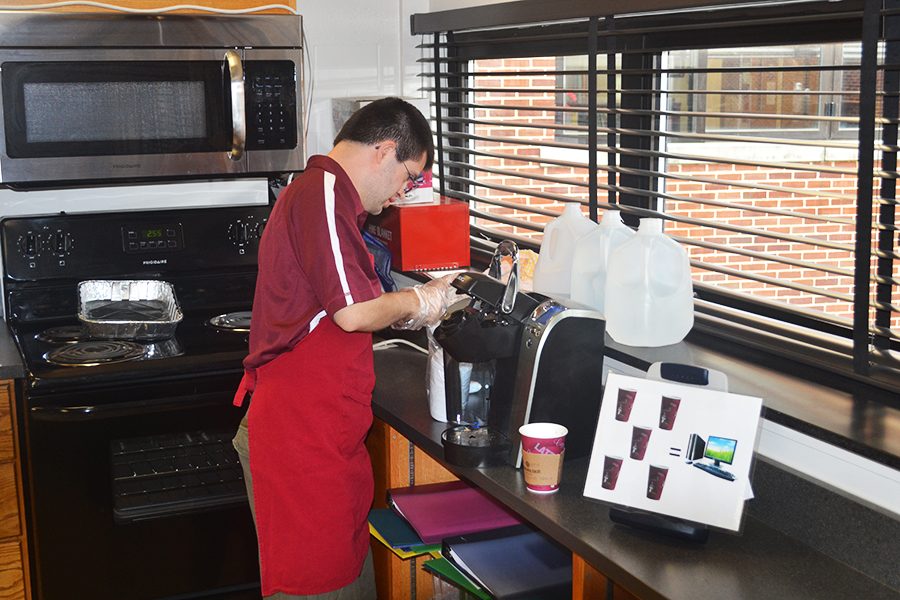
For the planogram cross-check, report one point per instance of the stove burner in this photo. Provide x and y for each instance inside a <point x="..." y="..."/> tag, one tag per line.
<point x="67" y="334"/>
<point x="89" y="354"/>
<point x="233" y="321"/>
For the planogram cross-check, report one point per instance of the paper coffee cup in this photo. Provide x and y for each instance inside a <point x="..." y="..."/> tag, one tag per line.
<point x="624" y="403"/>
<point x="640" y="439"/>
<point x="543" y="450"/>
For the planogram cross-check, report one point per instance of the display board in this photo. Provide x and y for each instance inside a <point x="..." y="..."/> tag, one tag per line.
<point x="673" y="449"/>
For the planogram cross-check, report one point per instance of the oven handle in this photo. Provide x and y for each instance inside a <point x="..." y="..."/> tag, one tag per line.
<point x="238" y="114"/>
<point x="120" y="409"/>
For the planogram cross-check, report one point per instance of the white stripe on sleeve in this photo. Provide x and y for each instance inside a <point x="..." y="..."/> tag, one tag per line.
<point x="332" y="234"/>
<point x="315" y="320"/>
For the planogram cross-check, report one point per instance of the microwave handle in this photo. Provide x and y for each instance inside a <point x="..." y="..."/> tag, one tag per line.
<point x="238" y="114"/>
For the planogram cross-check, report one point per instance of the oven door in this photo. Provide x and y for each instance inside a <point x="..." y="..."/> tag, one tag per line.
<point x="143" y="113"/>
<point x="112" y="517"/>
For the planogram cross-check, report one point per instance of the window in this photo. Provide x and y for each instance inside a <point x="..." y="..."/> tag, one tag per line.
<point x="764" y="135"/>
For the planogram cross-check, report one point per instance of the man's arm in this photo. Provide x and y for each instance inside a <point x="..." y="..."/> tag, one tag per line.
<point x="423" y="305"/>
<point x="378" y="313"/>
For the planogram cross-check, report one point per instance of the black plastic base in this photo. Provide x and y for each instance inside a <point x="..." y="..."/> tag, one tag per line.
<point x="661" y="524"/>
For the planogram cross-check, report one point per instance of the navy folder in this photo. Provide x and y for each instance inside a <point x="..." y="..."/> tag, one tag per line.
<point x="513" y="563"/>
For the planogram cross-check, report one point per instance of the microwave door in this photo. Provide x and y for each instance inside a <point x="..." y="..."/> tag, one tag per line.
<point x="112" y="114"/>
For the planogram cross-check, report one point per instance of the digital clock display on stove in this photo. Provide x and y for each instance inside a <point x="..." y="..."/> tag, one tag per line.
<point x="156" y="238"/>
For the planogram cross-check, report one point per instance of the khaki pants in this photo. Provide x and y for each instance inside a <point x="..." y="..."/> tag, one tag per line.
<point x="361" y="589"/>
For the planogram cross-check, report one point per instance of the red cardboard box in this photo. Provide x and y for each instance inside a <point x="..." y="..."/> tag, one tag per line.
<point x="424" y="237"/>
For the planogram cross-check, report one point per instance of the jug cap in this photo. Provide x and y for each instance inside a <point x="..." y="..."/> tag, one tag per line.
<point x="650" y="226"/>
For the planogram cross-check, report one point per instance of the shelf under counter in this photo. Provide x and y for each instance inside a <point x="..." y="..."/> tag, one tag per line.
<point x="760" y="562"/>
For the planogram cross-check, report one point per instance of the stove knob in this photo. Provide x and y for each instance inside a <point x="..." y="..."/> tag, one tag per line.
<point x="29" y="244"/>
<point x="62" y="242"/>
<point x="237" y="233"/>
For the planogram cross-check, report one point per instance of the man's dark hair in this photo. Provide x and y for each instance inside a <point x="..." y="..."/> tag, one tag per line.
<point x="391" y="119"/>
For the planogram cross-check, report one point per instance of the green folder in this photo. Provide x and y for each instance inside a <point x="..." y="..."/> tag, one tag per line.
<point x="445" y="569"/>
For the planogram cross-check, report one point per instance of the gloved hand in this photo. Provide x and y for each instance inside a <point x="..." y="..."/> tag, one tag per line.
<point x="434" y="298"/>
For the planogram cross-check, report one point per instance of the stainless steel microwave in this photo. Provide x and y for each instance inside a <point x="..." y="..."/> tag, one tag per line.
<point x="101" y="96"/>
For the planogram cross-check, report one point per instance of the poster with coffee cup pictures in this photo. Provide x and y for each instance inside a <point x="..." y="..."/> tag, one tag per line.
<point x="678" y="450"/>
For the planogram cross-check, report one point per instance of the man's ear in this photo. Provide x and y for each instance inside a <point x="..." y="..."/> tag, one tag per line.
<point x="385" y="149"/>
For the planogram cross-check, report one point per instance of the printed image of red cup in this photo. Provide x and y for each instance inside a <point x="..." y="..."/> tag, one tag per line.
<point x="668" y="409"/>
<point x="656" y="480"/>
<point x="543" y="449"/>
<point x="624" y="404"/>
<point x="640" y="438"/>
<point x="611" y="467"/>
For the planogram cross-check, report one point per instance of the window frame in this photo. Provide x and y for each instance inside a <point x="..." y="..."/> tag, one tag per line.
<point x="483" y="45"/>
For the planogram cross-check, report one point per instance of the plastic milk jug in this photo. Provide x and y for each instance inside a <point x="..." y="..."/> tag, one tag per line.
<point x="649" y="294"/>
<point x="553" y="272"/>
<point x="591" y="257"/>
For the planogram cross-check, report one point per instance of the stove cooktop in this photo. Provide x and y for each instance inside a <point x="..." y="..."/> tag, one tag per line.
<point x="59" y="354"/>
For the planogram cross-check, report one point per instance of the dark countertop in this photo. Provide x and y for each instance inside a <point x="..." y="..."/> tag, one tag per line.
<point x="11" y="366"/>
<point x="758" y="563"/>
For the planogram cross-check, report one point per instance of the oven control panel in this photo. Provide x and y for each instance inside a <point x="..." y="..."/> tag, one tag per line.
<point x="105" y="245"/>
<point x="152" y="237"/>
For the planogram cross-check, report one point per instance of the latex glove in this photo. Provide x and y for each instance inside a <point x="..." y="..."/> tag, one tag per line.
<point x="434" y="298"/>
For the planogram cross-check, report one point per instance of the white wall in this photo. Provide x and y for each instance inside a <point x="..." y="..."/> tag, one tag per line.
<point x="358" y="48"/>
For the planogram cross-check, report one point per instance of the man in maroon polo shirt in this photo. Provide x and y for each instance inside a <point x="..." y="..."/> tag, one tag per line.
<point x="310" y="367"/>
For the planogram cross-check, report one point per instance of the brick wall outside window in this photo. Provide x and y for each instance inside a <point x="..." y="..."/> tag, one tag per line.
<point x="814" y="204"/>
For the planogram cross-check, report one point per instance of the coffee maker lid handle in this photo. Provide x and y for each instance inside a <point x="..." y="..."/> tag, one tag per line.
<point x="506" y="248"/>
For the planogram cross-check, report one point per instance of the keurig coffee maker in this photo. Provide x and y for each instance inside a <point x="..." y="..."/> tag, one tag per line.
<point x="538" y="358"/>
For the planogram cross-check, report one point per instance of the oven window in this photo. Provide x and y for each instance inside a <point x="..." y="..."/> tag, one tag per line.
<point x="68" y="109"/>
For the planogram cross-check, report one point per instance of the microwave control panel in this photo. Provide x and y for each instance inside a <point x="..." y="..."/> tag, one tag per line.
<point x="271" y="104"/>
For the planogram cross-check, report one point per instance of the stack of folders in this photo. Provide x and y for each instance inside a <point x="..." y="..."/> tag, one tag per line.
<point x="391" y="530"/>
<point x="515" y="562"/>
<point x="484" y="549"/>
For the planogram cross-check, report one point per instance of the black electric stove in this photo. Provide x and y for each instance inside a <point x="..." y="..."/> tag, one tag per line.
<point x="208" y="254"/>
<point x="133" y="488"/>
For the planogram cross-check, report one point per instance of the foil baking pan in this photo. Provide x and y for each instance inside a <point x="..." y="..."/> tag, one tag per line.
<point x="128" y="309"/>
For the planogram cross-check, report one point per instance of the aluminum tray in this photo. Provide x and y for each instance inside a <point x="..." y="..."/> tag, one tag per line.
<point x="140" y="309"/>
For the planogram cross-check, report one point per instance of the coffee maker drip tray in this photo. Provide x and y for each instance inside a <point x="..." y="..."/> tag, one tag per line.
<point x="467" y="446"/>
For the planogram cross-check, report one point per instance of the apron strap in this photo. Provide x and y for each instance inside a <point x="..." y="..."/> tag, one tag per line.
<point x="247" y="385"/>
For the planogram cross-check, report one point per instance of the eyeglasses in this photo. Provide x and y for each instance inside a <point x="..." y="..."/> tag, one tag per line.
<point x="413" y="180"/>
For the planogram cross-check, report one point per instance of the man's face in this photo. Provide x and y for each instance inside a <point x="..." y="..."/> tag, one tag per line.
<point x="391" y="180"/>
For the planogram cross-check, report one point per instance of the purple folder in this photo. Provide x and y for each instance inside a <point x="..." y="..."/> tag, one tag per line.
<point x="439" y="510"/>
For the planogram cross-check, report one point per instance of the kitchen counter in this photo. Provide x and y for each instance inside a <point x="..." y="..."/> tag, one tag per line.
<point x="11" y="366"/>
<point x="760" y="562"/>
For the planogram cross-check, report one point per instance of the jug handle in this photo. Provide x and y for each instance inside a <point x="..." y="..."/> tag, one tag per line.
<point x="508" y="248"/>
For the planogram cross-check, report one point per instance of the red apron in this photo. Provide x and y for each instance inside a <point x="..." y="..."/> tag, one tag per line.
<point x="312" y="479"/>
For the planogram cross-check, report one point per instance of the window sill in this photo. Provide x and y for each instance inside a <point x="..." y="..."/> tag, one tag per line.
<point x="840" y="412"/>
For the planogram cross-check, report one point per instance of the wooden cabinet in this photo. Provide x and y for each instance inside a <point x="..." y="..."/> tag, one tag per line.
<point x="397" y="463"/>
<point x="14" y="581"/>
